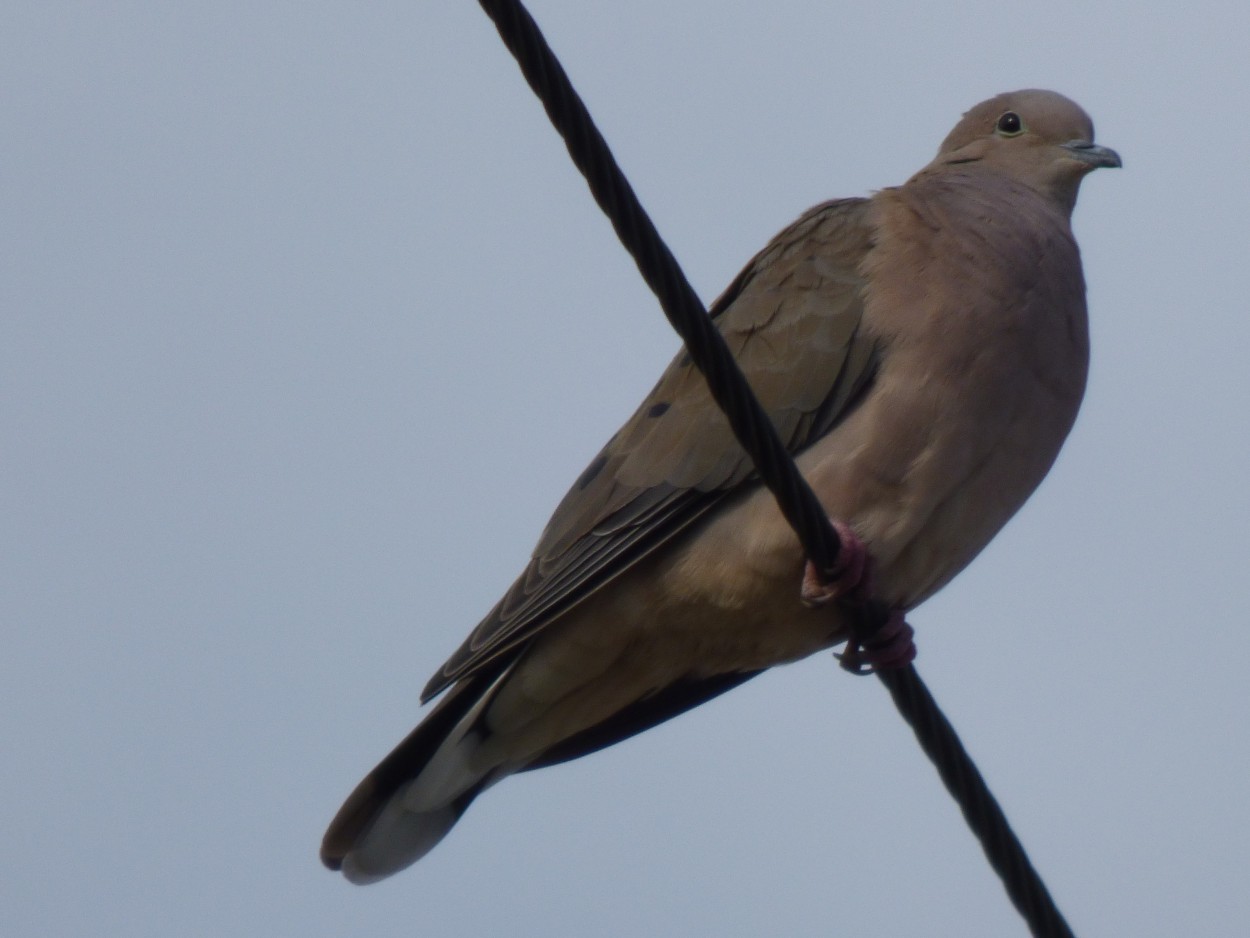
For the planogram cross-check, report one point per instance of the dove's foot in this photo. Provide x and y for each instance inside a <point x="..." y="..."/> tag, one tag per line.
<point x="892" y="647"/>
<point x="893" y="644"/>
<point x="851" y="579"/>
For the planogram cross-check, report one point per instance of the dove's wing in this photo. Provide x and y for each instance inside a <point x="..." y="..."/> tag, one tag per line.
<point x="792" y="319"/>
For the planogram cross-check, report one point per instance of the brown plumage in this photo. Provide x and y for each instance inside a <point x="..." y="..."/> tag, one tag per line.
<point x="922" y="352"/>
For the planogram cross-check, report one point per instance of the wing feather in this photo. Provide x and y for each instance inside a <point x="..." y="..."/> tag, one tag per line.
<point x="792" y="320"/>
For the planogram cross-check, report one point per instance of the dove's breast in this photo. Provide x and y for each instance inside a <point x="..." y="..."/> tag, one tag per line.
<point x="979" y="302"/>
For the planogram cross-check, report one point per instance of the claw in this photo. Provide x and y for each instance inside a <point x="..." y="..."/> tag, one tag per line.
<point x="849" y="580"/>
<point x="892" y="647"/>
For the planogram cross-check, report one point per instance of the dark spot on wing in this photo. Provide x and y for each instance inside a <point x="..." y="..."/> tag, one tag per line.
<point x="658" y="410"/>
<point x="592" y="470"/>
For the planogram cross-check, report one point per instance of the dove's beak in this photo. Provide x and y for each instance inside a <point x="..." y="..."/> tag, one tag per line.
<point x="1093" y="155"/>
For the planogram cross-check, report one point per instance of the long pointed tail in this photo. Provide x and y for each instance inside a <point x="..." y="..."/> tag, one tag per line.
<point x="414" y="796"/>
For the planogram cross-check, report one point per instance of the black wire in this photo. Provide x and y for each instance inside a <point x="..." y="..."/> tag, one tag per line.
<point x="755" y="432"/>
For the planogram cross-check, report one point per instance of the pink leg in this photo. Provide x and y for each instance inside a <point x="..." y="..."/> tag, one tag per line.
<point x="893" y="645"/>
<point x="851" y="579"/>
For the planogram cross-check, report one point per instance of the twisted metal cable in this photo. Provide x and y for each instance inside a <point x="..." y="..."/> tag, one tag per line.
<point x="753" y="429"/>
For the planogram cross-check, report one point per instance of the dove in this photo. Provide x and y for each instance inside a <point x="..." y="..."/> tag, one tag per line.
<point x="921" y="352"/>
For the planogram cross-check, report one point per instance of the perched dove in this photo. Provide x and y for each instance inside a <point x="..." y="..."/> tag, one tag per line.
<point x="922" y="351"/>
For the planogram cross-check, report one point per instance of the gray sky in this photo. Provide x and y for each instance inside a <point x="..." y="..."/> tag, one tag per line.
<point x="307" y="325"/>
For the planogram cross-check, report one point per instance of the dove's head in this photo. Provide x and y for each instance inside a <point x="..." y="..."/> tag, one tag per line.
<point x="1039" y="138"/>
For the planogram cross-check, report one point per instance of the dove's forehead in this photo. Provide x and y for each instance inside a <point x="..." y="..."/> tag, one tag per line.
<point x="1044" y="112"/>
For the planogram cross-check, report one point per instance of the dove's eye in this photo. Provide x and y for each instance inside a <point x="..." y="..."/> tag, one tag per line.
<point x="1009" y="124"/>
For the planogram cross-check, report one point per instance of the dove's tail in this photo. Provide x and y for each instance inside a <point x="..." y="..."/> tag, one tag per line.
<point x="414" y="796"/>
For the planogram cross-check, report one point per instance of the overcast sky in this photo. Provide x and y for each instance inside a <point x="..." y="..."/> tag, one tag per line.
<point x="306" y="324"/>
